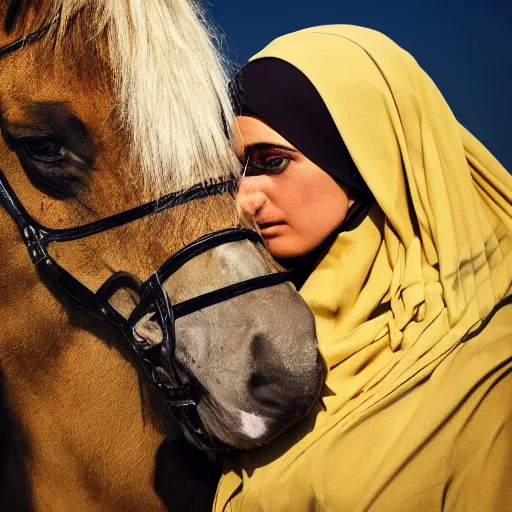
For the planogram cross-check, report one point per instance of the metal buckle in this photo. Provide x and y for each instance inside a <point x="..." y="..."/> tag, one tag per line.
<point x="34" y="239"/>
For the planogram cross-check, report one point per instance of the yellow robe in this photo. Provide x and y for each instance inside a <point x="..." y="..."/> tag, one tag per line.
<point x="413" y="308"/>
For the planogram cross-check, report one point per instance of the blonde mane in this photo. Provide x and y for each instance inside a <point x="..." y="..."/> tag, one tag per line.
<point x="171" y="86"/>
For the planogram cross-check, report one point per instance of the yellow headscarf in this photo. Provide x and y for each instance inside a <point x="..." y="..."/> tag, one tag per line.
<point x="441" y="257"/>
<point x="394" y="297"/>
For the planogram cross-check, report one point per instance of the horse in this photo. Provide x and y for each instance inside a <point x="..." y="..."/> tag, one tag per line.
<point x="116" y="182"/>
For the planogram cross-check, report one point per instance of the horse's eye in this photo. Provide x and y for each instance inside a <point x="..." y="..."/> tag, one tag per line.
<point x="44" y="150"/>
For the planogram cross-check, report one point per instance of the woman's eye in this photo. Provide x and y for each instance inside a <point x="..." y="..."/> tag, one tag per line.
<point x="275" y="165"/>
<point x="44" y="150"/>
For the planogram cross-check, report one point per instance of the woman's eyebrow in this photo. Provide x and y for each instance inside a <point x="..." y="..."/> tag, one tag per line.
<point x="262" y="146"/>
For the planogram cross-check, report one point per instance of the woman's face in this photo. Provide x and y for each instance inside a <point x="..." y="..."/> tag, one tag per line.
<point x="295" y="203"/>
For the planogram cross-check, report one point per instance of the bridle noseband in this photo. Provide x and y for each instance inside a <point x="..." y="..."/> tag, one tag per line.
<point x="179" y="388"/>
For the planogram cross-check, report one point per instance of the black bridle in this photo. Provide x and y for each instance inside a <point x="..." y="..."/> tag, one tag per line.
<point x="180" y="390"/>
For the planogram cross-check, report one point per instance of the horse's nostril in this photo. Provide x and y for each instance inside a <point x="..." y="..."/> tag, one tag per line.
<point x="257" y="381"/>
<point x="287" y="388"/>
<point x="265" y="391"/>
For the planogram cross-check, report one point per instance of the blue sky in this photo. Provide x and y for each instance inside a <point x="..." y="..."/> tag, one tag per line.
<point x="466" y="47"/>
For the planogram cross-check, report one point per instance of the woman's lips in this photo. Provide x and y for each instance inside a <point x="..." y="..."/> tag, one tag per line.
<point x="269" y="229"/>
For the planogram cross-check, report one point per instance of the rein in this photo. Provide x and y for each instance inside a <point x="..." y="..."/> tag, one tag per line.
<point x="178" y="386"/>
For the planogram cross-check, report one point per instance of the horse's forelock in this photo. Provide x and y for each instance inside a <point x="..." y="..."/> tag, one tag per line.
<point x="170" y="84"/>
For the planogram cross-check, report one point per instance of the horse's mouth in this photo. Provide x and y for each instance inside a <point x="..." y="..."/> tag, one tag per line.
<point x="244" y="430"/>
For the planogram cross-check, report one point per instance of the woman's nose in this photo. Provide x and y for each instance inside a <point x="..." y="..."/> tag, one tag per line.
<point x="250" y="198"/>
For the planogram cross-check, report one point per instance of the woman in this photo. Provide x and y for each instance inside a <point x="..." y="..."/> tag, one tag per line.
<point x="401" y="223"/>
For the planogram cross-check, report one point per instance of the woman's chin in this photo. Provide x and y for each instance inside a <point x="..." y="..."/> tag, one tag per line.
<point x="283" y="247"/>
<point x="278" y="246"/>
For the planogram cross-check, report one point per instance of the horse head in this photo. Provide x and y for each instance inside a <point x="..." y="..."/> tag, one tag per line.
<point x="104" y="107"/>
